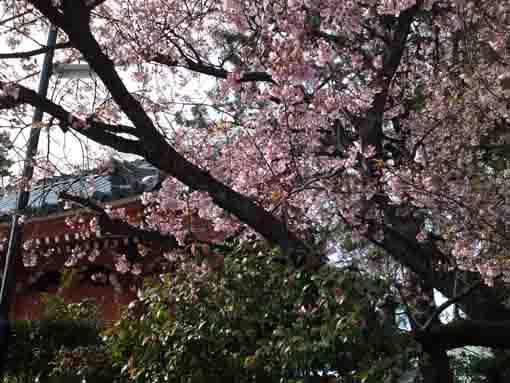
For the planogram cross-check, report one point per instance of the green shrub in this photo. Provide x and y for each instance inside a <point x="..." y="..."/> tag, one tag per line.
<point x="65" y="345"/>
<point x="252" y="320"/>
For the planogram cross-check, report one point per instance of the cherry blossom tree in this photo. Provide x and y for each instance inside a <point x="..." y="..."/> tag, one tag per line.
<point x="383" y="122"/>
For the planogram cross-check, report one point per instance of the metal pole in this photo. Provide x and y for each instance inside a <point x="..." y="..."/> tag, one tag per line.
<point x="16" y="230"/>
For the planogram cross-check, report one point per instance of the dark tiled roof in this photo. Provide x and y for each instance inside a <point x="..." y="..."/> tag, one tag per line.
<point x="126" y="179"/>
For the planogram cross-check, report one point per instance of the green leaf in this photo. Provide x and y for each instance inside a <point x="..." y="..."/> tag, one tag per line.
<point x="315" y="21"/>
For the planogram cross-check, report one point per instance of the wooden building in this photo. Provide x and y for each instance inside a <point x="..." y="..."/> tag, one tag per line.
<point x="63" y="253"/>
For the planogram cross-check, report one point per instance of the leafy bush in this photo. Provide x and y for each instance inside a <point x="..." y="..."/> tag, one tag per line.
<point x="65" y="345"/>
<point x="56" y="308"/>
<point x="252" y="320"/>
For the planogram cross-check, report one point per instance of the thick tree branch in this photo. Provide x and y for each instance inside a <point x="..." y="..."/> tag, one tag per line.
<point x="448" y="303"/>
<point x="463" y="333"/>
<point x="118" y="128"/>
<point x="102" y="136"/>
<point x="370" y="128"/>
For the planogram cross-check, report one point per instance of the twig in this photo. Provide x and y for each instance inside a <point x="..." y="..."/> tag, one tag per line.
<point x="35" y="52"/>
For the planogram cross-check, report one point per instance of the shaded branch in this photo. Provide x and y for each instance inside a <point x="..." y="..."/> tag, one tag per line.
<point x="118" y="128"/>
<point x="370" y="127"/>
<point x="463" y="333"/>
<point x="120" y="227"/>
<point x="97" y="133"/>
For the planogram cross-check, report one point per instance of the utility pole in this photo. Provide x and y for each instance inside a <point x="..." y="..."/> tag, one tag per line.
<point x="16" y="229"/>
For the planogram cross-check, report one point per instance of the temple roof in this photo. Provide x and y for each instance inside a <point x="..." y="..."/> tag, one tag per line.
<point x="123" y="179"/>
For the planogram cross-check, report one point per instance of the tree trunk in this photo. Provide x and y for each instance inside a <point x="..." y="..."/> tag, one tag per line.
<point x="435" y="367"/>
<point x="434" y="362"/>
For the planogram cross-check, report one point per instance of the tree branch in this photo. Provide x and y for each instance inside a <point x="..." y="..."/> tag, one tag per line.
<point x="209" y="69"/>
<point x="98" y="131"/>
<point x="448" y="303"/>
<point x="370" y="129"/>
<point x="483" y="303"/>
<point x="118" y="128"/>
<point x="119" y="227"/>
<point x="463" y="333"/>
<point x="34" y="52"/>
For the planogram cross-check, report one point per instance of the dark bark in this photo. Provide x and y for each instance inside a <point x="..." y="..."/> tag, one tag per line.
<point x="434" y="362"/>
<point x="460" y="333"/>
<point x="370" y="127"/>
<point x="435" y="367"/>
<point x="210" y="70"/>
